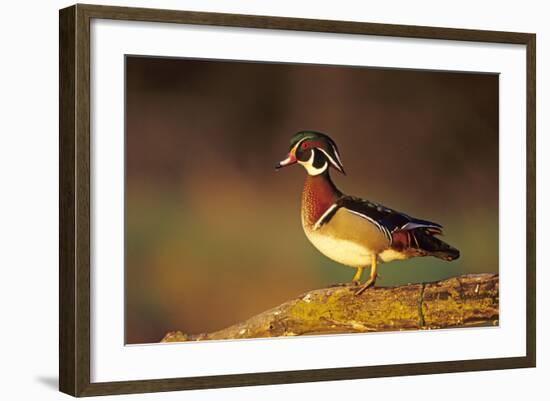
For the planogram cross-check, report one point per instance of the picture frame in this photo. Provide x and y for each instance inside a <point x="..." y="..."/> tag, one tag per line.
<point x="76" y="209"/>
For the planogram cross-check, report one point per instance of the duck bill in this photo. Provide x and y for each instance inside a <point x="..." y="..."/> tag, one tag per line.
<point x="290" y="160"/>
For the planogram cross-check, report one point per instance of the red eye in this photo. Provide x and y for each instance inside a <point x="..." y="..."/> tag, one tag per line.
<point x="305" y="145"/>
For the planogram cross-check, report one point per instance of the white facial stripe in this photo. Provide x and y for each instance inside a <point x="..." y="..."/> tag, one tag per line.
<point x="336" y="153"/>
<point x="296" y="146"/>
<point x="336" y="165"/>
<point x="311" y="170"/>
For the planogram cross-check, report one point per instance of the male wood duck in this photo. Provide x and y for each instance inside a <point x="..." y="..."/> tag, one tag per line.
<point x="353" y="231"/>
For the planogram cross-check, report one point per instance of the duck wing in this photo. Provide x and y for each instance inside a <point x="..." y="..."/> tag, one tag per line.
<point x="409" y="236"/>
<point x="386" y="219"/>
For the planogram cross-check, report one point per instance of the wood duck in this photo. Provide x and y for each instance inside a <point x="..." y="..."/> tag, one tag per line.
<point x="353" y="231"/>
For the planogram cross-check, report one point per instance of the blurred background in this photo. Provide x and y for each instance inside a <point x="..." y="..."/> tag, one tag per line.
<point x="213" y="233"/>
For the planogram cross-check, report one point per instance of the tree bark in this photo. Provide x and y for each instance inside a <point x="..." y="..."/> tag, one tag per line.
<point x="470" y="300"/>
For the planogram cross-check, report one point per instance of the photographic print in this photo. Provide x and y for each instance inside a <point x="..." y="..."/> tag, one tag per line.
<point x="275" y="193"/>
<point x="276" y="199"/>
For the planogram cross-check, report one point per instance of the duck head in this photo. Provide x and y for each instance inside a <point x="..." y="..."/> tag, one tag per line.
<point x="315" y="151"/>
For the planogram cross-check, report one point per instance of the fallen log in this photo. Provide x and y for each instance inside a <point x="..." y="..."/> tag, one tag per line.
<point x="469" y="300"/>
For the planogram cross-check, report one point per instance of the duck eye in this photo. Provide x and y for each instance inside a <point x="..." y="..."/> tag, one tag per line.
<point x="305" y="145"/>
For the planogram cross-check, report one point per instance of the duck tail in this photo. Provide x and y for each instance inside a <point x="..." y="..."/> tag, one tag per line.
<point x="426" y="242"/>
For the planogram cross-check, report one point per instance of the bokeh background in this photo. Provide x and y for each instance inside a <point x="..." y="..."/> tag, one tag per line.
<point x="213" y="233"/>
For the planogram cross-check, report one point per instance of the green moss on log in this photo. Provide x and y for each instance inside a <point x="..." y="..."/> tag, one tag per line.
<point x="470" y="300"/>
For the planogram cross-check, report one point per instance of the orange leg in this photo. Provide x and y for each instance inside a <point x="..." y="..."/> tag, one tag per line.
<point x="357" y="278"/>
<point x="372" y="279"/>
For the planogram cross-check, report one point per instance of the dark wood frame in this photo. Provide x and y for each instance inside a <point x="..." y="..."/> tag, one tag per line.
<point x="74" y="199"/>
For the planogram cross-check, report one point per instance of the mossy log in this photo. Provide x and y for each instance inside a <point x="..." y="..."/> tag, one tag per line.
<point x="470" y="300"/>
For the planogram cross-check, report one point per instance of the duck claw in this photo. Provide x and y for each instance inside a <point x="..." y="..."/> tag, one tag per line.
<point x="367" y="285"/>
